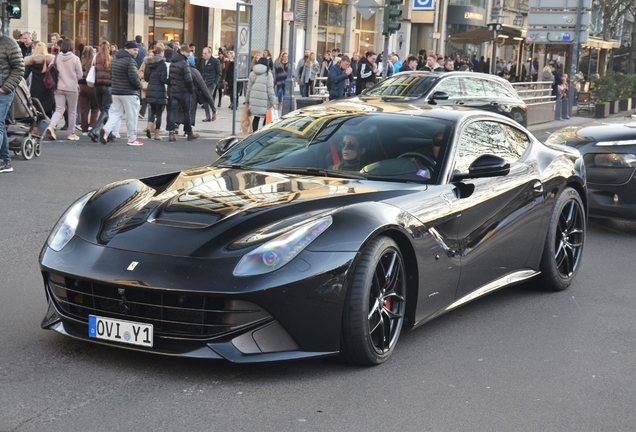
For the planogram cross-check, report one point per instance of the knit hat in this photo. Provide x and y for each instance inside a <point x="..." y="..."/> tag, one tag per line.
<point x="131" y="44"/>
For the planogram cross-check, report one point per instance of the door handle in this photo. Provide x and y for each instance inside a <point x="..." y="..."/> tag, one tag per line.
<point x="460" y="102"/>
<point x="493" y="103"/>
<point x="538" y="187"/>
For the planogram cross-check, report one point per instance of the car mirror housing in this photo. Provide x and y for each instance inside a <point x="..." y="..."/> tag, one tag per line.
<point x="438" y="95"/>
<point x="225" y="144"/>
<point x="485" y="166"/>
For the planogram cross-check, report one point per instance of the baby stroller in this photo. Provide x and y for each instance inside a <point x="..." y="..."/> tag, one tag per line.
<point x="31" y="120"/>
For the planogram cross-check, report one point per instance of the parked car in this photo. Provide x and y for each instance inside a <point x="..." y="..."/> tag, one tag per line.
<point x="468" y="89"/>
<point x="326" y="232"/>
<point x="609" y="153"/>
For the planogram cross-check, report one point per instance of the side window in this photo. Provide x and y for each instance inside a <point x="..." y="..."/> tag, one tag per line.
<point x="517" y="139"/>
<point x="502" y="90"/>
<point x="451" y="86"/>
<point x="474" y="87"/>
<point x="488" y="137"/>
<point x="491" y="89"/>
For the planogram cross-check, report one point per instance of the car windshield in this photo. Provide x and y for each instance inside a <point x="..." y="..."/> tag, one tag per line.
<point x="374" y="146"/>
<point x="403" y="85"/>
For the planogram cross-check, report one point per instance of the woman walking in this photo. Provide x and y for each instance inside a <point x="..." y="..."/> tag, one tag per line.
<point x="260" y="92"/>
<point x="69" y="71"/>
<point x="219" y="88"/>
<point x="102" y="88"/>
<point x="229" y="77"/>
<point x="280" y="79"/>
<point x="156" y="75"/>
<point x="87" y="98"/>
<point x="310" y="72"/>
<point x="35" y="67"/>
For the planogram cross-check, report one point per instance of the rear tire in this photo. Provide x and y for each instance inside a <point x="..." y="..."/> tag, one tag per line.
<point x="28" y="148"/>
<point x="564" y="242"/>
<point x="375" y="304"/>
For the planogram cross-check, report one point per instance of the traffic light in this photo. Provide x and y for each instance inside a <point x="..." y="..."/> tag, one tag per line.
<point x="391" y="14"/>
<point x="14" y="9"/>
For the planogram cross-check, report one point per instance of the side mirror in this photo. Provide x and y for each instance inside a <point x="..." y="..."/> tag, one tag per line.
<point x="485" y="166"/>
<point x="438" y="95"/>
<point x="223" y="145"/>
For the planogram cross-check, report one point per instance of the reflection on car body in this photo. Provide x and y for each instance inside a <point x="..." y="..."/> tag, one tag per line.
<point x="270" y="254"/>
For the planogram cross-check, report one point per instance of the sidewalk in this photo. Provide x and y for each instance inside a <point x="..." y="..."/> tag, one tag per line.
<point x="222" y="127"/>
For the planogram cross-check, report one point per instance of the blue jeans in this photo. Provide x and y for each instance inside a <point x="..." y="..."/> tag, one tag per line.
<point x="303" y="90"/>
<point x="281" y="93"/>
<point x="5" y="104"/>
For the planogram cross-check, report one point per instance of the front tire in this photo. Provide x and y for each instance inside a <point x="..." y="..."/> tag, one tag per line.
<point x="375" y="304"/>
<point x="564" y="242"/>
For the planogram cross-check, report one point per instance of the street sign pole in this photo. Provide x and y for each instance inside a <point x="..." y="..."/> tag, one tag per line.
<point x="575" y="57"/>
<point x="385" y="59"/>
<point x="288" y="99"/>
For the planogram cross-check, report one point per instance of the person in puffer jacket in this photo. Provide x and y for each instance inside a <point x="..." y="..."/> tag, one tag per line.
<point x="11" y="72"/>
<point x="125" y="92"/>
<point x="180" y="91"/>
<point x="156" y="75"/>
<point x="260" y="92"/>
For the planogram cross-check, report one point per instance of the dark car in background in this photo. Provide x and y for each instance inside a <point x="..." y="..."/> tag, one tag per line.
<point x="326" y="232"/>
<point x="467" y="89"/>
<point x="609" y="154"/>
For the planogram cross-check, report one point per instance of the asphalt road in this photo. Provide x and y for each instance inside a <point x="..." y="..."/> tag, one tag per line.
<point x="517" y="360"/>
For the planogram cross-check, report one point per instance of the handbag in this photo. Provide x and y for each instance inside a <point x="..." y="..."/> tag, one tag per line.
<point x="50" y="77"/>
<point x="271" y="116"/>
<point x="90" y="76"/>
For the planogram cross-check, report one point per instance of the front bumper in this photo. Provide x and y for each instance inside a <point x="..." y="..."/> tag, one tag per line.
<point x="197" y="308"/>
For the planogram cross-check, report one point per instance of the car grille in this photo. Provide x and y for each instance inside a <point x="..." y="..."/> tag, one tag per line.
<point x="172" y="313"/>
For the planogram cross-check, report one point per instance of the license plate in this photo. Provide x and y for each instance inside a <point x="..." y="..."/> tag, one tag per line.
<point x="120" y="331"/>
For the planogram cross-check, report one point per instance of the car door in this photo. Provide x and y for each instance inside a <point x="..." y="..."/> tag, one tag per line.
<point x="477" y="95"/>
<point x="498" y="225"/>
<point x="452" y="87"/>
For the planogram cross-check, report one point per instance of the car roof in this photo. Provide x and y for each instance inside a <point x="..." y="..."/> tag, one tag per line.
<point x="454" y="73"/>
<point x="356" y="106"/>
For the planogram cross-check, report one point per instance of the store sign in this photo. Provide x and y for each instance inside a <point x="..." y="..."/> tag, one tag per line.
<point x="466" y="15"/>
<point x="423" y="5"/>
<point x="217" y="4"/>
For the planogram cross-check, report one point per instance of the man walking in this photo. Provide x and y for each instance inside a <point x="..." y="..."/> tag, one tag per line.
<point x="11" y="72"/>
<point x="210" y="69"/>
<point x="180" y="92"/>
<point x="125" y="92"/>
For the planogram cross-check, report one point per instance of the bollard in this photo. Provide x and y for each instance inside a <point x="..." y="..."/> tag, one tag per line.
<point x="566" y="109"/>
<point x="558" y="108"/>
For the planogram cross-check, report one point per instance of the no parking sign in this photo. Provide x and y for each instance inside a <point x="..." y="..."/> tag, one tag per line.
<point x="423" y="4"/>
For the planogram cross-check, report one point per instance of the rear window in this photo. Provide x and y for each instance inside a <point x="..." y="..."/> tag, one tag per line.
<point x="404" y="85"/>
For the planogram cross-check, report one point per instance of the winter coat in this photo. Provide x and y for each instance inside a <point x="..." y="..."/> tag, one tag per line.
<point x="201" y="95"/>
<point x="33" y="67"/>
<point x="337" y="77"/>
<point x="309" y="73"/>
<point x="558" y="80"/>
<point x="365" y="76"/>
<point x="211" y="71"/>
<point x="326" y="65"/>
<point x="156" y="75"/>
<point x="11" y="64"/>
<point x="123" y="73"/>
<point x="547" y="76"/>
<point x="180" y="76"/>
<point x="281" y="74"/>
<point x="69" y="71"/>
<point x="102" y="76"/>
<point x="260" y="93"/>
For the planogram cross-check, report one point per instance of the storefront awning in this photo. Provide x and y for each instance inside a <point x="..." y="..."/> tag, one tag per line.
<point x="597" y="43"/>
<point x="507" y="36"/>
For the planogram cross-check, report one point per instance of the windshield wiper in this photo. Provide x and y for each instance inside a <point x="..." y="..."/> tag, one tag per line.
<point x="318" y="172"/>
<point x="235" y="166"/>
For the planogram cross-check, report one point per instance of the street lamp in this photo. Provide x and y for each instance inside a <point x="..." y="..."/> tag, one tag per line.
<point x="518" y="21"/>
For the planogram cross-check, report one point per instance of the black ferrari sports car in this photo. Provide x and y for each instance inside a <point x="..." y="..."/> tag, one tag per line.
<point x="324" y="233"/>
<point x="609" y="153"/>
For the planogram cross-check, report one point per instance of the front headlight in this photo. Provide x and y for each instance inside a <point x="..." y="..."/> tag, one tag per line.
<point x="64" y="229"/>
<point x="276" y="253"/>
<point x="614" y="160"/>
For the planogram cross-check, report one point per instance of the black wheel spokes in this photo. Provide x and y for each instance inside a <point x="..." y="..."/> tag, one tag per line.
<point x="386" y="302"/>
<point x="569" y="239"/>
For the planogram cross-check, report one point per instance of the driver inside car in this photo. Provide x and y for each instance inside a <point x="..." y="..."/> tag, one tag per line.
<point x="352" y="154"/>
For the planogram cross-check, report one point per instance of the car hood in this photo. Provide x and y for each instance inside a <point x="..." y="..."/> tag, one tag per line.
<point x="578" y="136"/>
<point x="194" y="212"/>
